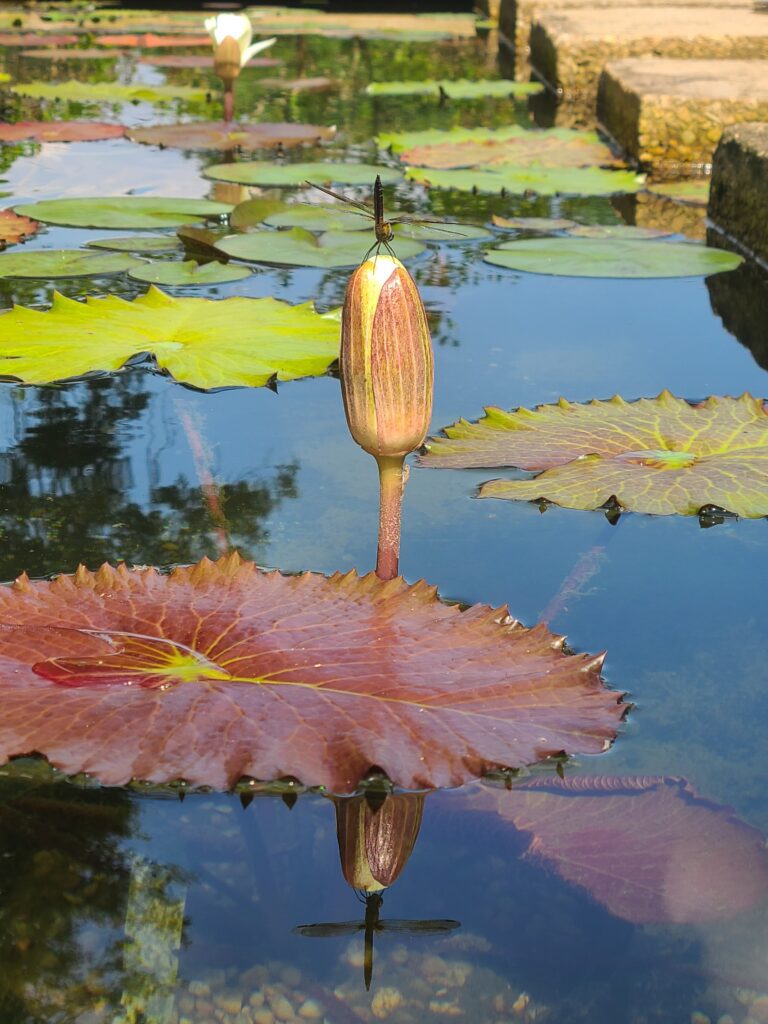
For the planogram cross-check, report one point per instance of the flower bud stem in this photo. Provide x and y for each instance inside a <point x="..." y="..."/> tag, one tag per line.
<point x="229" y="101"/>
<point x="391" y="485"/>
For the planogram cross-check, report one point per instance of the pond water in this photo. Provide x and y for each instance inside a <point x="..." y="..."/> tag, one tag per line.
<point x="187" y="911"/>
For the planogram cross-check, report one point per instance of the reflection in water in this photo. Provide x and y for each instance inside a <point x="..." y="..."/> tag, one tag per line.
<point x="740" y="299"/>
<point x="64" y="489"/>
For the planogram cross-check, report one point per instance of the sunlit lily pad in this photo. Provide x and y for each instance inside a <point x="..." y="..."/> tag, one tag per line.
<point x="545" y="181"/>
<point x="611" y="257"/>
<point x="207" y="343"/>
<point x="131" y="674"/>
<point x="137" y="243"/>
<point x="648" y="848"/>
<point x="694" y="191"/>
<point x="188" y="273"/>
<point x="262" y="172"/>
<point x="521" y="147"/>
<point x="220" y="135"/>
<point x="661" y="456"/>
<point x="60" y="131"/>
<point x="459" y="89"/>
<point x="123" y="212"/>
<point x="540" y="225"/>
<point x="108" y="92"/>
<point x="52" y="263"/>
<point x="624" y="231"/>
<point x="298" y="247"/>
<point x="14" y="229"/>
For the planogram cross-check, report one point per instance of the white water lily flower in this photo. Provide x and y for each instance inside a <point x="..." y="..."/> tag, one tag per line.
<point x="237" y="27"/>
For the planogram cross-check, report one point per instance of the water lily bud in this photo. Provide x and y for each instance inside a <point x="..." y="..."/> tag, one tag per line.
<point x="226" y="59"/>
<point x="376" y="839"/>
<point x="386" y="359"/>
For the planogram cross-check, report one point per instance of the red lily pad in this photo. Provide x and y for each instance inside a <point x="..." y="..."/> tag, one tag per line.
<point x="657" y="455"/>
<point x="221" y="671"/>
<point x="60" y="131"/>
<point x="149" y="40"/>
<point x="58" y="54"/>
<point x="14" y="229"/>
<point x="223" y="135"/>
<point x="648" y="848"/>
<point x="32" y="39"/>
<point x="193" y="60"/>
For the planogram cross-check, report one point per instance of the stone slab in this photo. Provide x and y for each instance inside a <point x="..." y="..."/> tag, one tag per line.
<point x="570" y="48"/>
<point x="669" y="114"/>
<point x="738" y="197"/>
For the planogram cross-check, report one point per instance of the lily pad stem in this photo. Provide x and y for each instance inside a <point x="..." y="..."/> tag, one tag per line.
<point x="391" y="486"/>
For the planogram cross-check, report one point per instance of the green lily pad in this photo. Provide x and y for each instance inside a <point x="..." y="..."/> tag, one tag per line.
<point x="108" y="92"/>
<point x="695" y="191"/>
<point x="51" y="263"/>
<point x="188" y="273"/>
<point x="624" y="231"/>
<point x="255" y="211"/>
<point x="262" y="172"/>
<point x="122" y="211"/>
<point x="588" y="257"/>
<point x="658" y="455"/>
<point x="460" y="89"/>
<point x="544" y="181"/>
<point x="399" y="141"/>
<point x="319" y="218"/>
<point x="207" y="343"/>
<point x="541" y="225"/>
<point x="300" y="248"/>
<point x="136" y="243"/>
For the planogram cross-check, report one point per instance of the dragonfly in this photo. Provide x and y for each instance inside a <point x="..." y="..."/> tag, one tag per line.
<point x="382" y="228"/>
<point x="372" y="925"/>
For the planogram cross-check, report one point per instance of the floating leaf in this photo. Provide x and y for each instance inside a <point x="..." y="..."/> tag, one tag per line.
<point x="657" y="455"/>
<point x="623" y="231"/>
<point x="695" y="191"/>
<point x="192" y="60"/>
<point x="550" y="147"/>
<point x="543" y="225"/>
<point x="612" y="257"/>
<point x="70" y="54"/>
<point x="220" y="135"/>
<point x="318" y="218"/>
<point x="544" y="181"/>
<point x="14" y="229"/>
<point x="188" y="273"/>
<point x="31" y="39"/>
<point x="52" y="263"/>
<point x="399" y="141"/>
<point x="300" y="248"/>
<point x="137" y="243"/>
<point x="317" y="84"/>
<point x="649" y="849"/>
<point x="60" y="131"/>
<point x="108" y="92"/>
<point x="122" y="211"/>
<point x="203" y="342"/>
<point x="255" y="211"/>
<point x="150" y="40"/>
<point x="262" y="172"/>
<point x="221" y="671"/>
<point x="459" y="89"/>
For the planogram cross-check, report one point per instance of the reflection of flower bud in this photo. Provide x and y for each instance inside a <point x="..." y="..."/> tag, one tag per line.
<point x="376" y="839"/>
<point x="226" y="59"/>
<point x="386" y="359"/>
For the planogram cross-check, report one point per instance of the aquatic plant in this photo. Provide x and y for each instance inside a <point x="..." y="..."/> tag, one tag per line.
<point x="231" y="36"/>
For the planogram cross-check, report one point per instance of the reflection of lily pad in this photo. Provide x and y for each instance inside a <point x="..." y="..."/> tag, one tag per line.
<point x="460" y="89"/>
<point x="188" y="273"/>
<point x="137" y="243"/>
<point x="52" y="263"/>
<point x="220" y="135"/>
<point x="262" y="172"/>
<point x="60" y="131"/>
<point x="300" y="248"/>
<point x="550" y="147"/>
<point x="611" y="257"/>
<point x="624" y="231"/>
<point x="135" y="674"/>
<point x="122" y="211"/>
<point x="541" y="225"/>
<point x="108" y="92"/>
<point x="661" y="455"/>
<point x="203" y="342"/>
<point x="14" y="229"/>
<point x="545" y="181"/>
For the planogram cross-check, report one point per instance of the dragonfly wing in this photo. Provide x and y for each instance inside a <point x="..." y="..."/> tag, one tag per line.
<point x="417" y="927"/>
<point x="323" y="931"/>
<point x="343" y="199"/>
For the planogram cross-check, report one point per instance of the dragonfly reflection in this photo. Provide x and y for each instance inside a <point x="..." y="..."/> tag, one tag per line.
<point x="383" y="229"/>
<point x="371" y="925"/>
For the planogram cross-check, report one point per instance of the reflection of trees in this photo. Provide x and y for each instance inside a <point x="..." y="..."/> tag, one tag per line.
<point x="63" y="886"/>
<point x="63" y="491"/>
